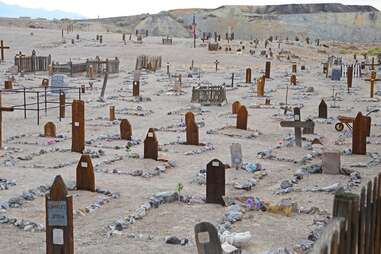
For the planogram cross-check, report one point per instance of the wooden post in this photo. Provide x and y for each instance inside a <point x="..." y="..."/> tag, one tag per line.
<point x="78" y="126"/>
<point x="136" y="88"/>
<point x="62" y="99"/>
<point x="346" y="205"/>
<point x="216" y="62"/>
<point x="59" y="219"/>
<point x="349" y="77"/>
<point x="85" y="174"/>
<point x="359" y="134"/>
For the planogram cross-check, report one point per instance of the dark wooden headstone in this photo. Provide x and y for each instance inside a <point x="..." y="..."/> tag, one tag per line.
<point x="62" y="99"/>
<point x="85" y="174"/>
<point x="8" y="84"/>
<point x="359" y="134"/>
<point x="323" y="111"/>
<point x="125" y="130"/>
<point x="207" y="239"/>
<point x="215" y="182"/>
<point x="235" y="107"/>
<point x="50" y="130"/>
<point x="78" y="126"/>
<point x="191" y="129"/>
<point x="59" y="219"/>
<point x="293" y="79"/>
<point x="242" y="116"/>
<point x="248" y="76"/>
<point x="135" y="88"/>
<point x="151" y="145"/>
<point x="268" y="69"/>
<point x="112" y="113"/>
<point x="349" y="77"/>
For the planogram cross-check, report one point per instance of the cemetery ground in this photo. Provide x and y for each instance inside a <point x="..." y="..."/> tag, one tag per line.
<point x="31" y="160"/>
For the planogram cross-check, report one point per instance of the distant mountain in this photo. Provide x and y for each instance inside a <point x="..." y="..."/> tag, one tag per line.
<point x="14" y="11"/>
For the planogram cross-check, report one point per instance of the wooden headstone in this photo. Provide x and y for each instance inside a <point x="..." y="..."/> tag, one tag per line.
<point x="151" y="145"/>
<point x="207" y="239"/>
<point x="268" y="70"/>
<point x="323" y="111"/>
<point x="191" y="129"/>
<point x="261" y="86"/>
<point x="59" y="219"/>
<point x="294" y="69"/>
<point x="85" y="174"/>
<point x="331" y="163"/>
<point x="248" y="76"/>
<point x="112" y="113"/>
<point x="125" y="130"/>
<point x="236" y="155"/>
<point x="8" y="84"/>
<point x="235" y="107"/>
<point x="50" y="130"/>
<point x="135" y="88"/>
<point x="78" y="126"/>
<point x="242" y="118"/>
<point x="359" y="134"/>
<point x="215" y="182"/>
<point x="293" y="79"/>
<point x="62" y="99"/>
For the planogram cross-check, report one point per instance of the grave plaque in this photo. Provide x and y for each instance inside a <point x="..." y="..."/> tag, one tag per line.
<point x="85" y="174"/>
<point x="235" y="107"/>
<point x="323" y="110"/>
<point x="236" y="155"/>
<point x="268" y="70"/>
<point x="215" y="182"/>
<point x="78" y="126"/>
<point x="151" y="145"/>
<point x="112" y="113"/>
<point x="50" y="130"/>
<point x="331" y="163"/>
<point x="59" y="219"/>
<point x="359" y="134"/>
<point x="207" y="239"/>
<point x="125" y="130"/>
<point x="191" y="129"/>
<point x="242" y="118"/>
<point x="248" y="76"/>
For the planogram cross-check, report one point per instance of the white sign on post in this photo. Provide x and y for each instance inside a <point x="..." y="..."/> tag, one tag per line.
<point x="58" y="236"/>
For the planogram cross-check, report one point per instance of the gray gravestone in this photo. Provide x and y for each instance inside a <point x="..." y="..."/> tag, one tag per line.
<point x="236" y="155"/>
<point x="57" y="83"/>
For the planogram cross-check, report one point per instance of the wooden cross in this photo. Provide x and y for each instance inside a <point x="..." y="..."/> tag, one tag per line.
<point x="298" y="125"/>
<point x="2" y="47"/>
<point x="5" y="109"/>
<point x="216" y="62"/>
<point x="373" y="79"/>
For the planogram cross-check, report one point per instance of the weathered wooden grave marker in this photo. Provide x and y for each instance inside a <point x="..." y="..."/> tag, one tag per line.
<point x="50" y="130"/>
<point x="294" y="68"/>
<point x="235" y="107"/>
<point x="293" y="79"/>
<point x="297" y="124"/>
<point x="2" y="47"/>
<point x="373" y="79"/>
<point x="215" y="182"/>
<point x="248" y="76"/>
<point x="125" y="130"/>
<point x="216" y="62"/>
<point x="78" y="126"/>
<point x="8" y="84"/>
<point x="359" y="133"/>
<point x="242" y="116"/>
<point x="3" y="109"/>
<point x="261" y="86"/>
<point x="112" y="113"/>
<point x="191" y="129"/>
<point x="90" y="72"/>
<point x="349" y="77"/>
<point x="268" y="69"/>
<point x="207" y="239"/>
<point x="62" y="100"/>
<point x="135" y="88"/>
<point x="236" y="155"/>
<point x="104" y="85"/>
<point x="85" y="174"/>
<point x="151" y="145"/>
<point x="45" y="83"/>
<point x="331" y="163"/>
<point x="59" y="219"/>
<point x="323" y="110"/>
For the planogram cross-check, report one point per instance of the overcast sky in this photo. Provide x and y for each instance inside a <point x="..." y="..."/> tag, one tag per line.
<point x="109" y="8"/>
